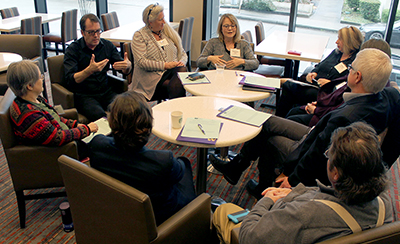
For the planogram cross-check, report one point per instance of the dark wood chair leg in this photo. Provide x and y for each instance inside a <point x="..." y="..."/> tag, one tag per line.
<point x="21" y="208"/>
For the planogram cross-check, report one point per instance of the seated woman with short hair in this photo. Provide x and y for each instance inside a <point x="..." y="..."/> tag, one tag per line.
<point x="35" y="122"/>
<point x="158" y="53"/>
<point x="228" y="48"/>
<point x="168" y="181"/>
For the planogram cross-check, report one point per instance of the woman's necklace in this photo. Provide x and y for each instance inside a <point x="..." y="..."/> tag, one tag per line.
<point x="158" y="34"/>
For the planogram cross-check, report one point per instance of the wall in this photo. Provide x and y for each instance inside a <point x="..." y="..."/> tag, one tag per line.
<point x="187" y="8"/>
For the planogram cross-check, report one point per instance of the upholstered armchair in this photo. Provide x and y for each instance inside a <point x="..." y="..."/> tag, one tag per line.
<point x="105" y="210"/>
<point x="31" y="167"/>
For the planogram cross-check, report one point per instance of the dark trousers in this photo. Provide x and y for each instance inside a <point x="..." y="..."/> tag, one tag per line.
<point x="299" y="115"/>
<point x="295" y="94"/>
<point x="277" y="139"/>
<point x="94" y="106"/>
<point x="170" y="86"/>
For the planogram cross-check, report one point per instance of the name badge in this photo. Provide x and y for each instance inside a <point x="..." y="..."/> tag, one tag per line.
<point x="235" y="52"/>
<point x="163" y="42"/>
<point x="340" y="85"/>
<point x="340" y="67"/>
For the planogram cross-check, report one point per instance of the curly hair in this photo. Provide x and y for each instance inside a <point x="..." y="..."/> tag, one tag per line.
<point x="355" y="152"/>
<point x="130" y="120"/>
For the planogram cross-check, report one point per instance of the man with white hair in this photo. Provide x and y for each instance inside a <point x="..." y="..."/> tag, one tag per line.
<point x="300" y="149"/>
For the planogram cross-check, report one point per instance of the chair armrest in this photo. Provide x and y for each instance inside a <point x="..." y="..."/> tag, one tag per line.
<point x="71" y="113"/>
<point x="189" y="225"/>
<point x="271" y="60"/>
<point x="62" y="96"/>
<point x="235" y="236"/>
<point x="118" y="85"/>
<point x="34" y="167"/>
<point x="387" y="233"/>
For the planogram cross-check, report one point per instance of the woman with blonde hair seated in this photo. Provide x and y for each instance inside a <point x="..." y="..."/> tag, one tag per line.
<point x="328" y="70"/>
<point x="228" y="48"/>
<point x="158" y="56"/>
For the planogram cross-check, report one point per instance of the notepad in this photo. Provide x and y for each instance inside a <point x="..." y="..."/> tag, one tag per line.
<point x="244" y="115"/>
<point x="183" y="76"/>
<point x="261" y="82"/>
<point x="104" y="129"/>
<point x="192" y="132"/>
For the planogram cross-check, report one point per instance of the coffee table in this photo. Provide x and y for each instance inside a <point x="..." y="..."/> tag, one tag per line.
<point x="224" y="84"/>
<point x="232" y="132"/>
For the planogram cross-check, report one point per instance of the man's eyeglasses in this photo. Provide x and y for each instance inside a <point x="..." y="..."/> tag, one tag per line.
<point x="151" y="10"/>
<point x="93" y="32"/>
<point x="349" y="67"/>
<point x="227" y="26"/>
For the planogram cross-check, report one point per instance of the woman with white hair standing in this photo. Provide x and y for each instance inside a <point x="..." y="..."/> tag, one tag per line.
<point x="158" y="56"/>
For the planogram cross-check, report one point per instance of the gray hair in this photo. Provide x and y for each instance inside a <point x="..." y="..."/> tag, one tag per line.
<point x="20" y="75"/>
<point x="375" y="67"/>
<point x="150" y="14"/>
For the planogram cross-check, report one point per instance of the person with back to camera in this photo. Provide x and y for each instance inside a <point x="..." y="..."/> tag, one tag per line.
<point x="86" y="64"/>
<point x="358" y="182"/>
<point x="228" y="48"/>
<point x="330" y="96"/>
<point x="328" y="70"/>
<point x="158" y="56"/>
<point x="123" y="155"/>
<point x="34" y="121"/>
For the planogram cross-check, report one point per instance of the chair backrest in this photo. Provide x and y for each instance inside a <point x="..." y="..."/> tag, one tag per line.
<point x="247" y="36"/>
<point x="56" y="69"/>
<point x="110" y="20"/>
<point x="6" y="131"/>
<point x="105" y="210"/>
<point x="32" y="26"/>
<point x="202" y="45"/>
<point x="28" y="46"/>
<point x="127" y="48"/>
<point x="69" y="25"/>
<point x="185" y="31"/>
<point x="9" y="12"/>
<point x="260" y="33"/>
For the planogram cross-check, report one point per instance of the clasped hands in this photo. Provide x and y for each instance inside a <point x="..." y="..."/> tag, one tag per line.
<point x="234" y="62"/>
<point x="276" y="193"/>
<point x="321" y="81"/>
<point x="173" y="64"/>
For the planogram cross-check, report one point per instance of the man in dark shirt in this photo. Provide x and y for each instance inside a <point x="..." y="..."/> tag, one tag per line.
<point x="86" y="63"/>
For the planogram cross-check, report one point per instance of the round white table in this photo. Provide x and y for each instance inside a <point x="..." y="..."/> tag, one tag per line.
<point x="232" y="132"/>
<point x="7" y="58"/>
<point x="225" y="84"/>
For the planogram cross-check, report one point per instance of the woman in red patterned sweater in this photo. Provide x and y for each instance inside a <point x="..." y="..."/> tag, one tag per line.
<point x="35" y="122"/>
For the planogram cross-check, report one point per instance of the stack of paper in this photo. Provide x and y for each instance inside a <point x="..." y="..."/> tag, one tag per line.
<point x="244" y="115"/>
<point x="200" y="130"/>
<point x="258" y="83"/>
<point x="104" y="129"/>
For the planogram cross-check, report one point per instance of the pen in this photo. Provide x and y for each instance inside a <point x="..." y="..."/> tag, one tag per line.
<point x="201" y="128"/>
<point x="236" y="73"/>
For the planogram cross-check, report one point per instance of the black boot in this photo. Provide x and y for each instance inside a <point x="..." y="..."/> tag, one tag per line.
<point x="232" y="170"/>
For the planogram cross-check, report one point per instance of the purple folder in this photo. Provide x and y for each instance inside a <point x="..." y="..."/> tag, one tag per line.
<point x="210" y="141"/>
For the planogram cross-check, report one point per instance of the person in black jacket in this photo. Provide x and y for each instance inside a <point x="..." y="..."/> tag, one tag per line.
<point x="168" y="181"/>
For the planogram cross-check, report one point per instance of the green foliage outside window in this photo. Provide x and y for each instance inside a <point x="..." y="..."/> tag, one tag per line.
<point x="370" y="9"/>
<point x="259" y="5"/>
<point x="353" y="4"/>
<point x="385" y="15"/>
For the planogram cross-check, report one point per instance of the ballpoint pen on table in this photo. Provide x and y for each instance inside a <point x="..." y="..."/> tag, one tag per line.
<point x="201" y="128"/>
<point x="236" y="73"/>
